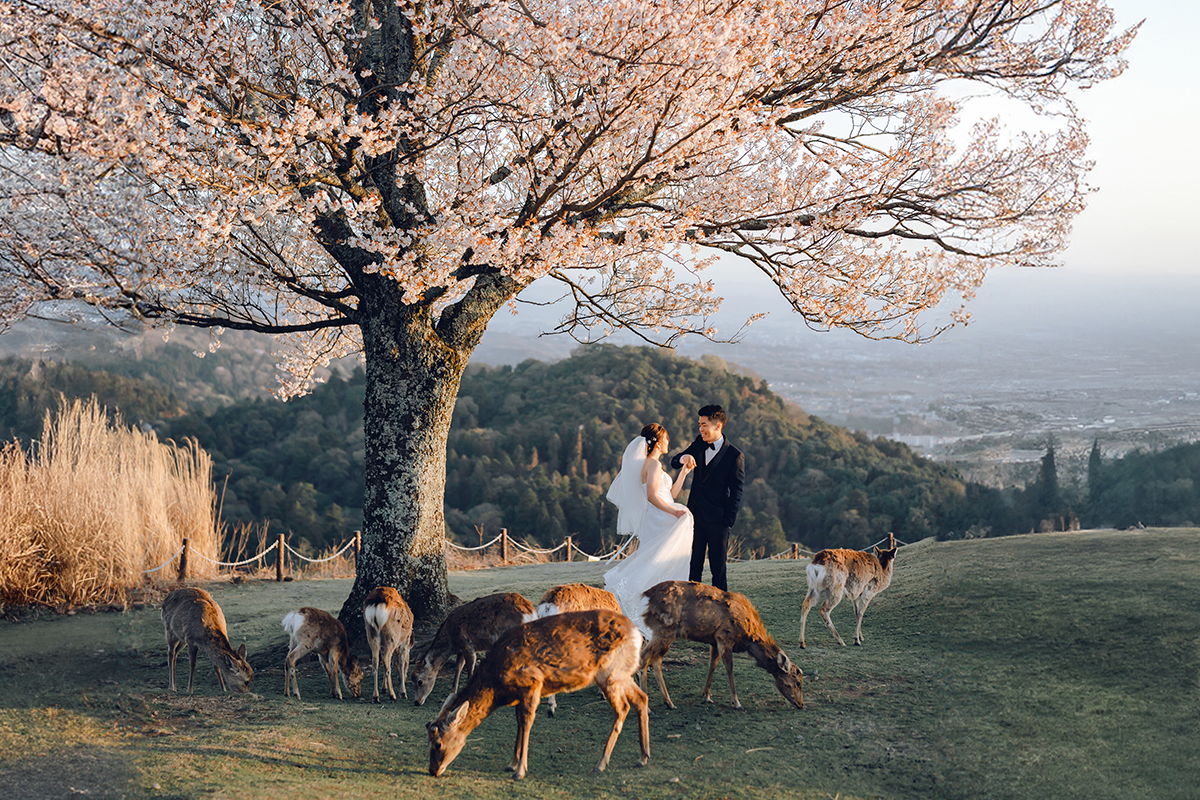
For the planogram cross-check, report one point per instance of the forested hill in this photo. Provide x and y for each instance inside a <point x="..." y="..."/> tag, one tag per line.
<point x="534" y="447"/>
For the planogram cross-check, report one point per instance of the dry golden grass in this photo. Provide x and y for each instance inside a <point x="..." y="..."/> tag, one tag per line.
<point x="94" y="505"/>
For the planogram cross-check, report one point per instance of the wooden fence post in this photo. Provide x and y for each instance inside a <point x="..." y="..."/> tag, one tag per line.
<point x="796" y="550"/>
<point x="569" y="546"/>
<point x="183" y="559"/>
<point x="504" y="546"/>
<point x="279" y="559"/>
<point x="357" y="548"/>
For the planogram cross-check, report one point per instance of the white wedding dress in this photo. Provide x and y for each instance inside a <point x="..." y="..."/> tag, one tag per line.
<point x="664" y="540"/>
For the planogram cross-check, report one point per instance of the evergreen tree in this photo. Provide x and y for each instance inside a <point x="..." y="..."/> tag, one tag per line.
<point x="1049" y="502"/>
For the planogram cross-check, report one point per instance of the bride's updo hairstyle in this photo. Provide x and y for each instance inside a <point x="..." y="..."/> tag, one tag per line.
<point x="652" y="433"/>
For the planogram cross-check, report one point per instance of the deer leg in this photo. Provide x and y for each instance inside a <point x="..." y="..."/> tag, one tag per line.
<point x="654" y="655"/>
<point x="860" y="608"/>
<point x="330" y="664"/>
<point x="642" y="703"/>
<point x="289" y="668"/>
<point x="405" y="650"/>
<point x="192" y="651"/>
<point x="374" y="642"/>
<point x="713" y="655"/>
<point x="389" y="653"/>
<point x="813" y="596"/>
<point x="172" y="652"/>
<point x="620" y="704"/>
<point x="727" y="657"/>
<point x="526" y="711"/>
<point x="465" y="659"/>
<point x="551" y="704"/>
<point x="825" y="609"/>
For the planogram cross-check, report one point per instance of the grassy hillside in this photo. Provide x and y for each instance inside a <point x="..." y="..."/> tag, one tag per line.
<point x="1050" y="666"/>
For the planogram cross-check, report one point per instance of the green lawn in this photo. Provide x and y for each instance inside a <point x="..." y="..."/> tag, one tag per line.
<point x="1042" y="666"/>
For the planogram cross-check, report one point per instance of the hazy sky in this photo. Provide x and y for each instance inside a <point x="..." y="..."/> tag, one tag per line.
<point x="1145" y="129"/>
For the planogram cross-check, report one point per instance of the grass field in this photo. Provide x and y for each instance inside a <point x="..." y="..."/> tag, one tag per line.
<point x="1043" y="667"/>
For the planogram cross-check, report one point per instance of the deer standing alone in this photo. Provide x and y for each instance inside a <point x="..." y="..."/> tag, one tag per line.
<point x="389" y="625"/>
<point x="469" y="629"/>
<point x="192" y="617"/>
<point x="839" y="572"/>
<point x="311" y="629"/>
<point x="574" y="597"/>
<point x="560" y="653"/>
<point x="724" y="620"/>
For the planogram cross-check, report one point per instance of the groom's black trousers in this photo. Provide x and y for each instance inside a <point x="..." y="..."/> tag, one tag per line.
<point x="714" y="539"/>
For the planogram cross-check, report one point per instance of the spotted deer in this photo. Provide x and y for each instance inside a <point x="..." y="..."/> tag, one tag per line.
<point x="574" y="597"/>
<point x="838" y="572"/>
<point x="469" y="629"/>
<point x="727" y="622"/>
<point x="389" y="625"/>
<point x="560" y="653"/>
<point x="313" y="630"/>
<point x="191" y="616"/>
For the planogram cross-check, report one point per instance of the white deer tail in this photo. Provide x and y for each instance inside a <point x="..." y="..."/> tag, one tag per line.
<point x="376" y="616"/>
<point x="816" y="575"/>
<point x="292" y="622"/>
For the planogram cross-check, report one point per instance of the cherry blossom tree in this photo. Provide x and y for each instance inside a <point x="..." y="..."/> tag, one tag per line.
<point x="383" y="176"/>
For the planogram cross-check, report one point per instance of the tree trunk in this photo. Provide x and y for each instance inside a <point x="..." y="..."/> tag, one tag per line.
<point x="412" y="383"/>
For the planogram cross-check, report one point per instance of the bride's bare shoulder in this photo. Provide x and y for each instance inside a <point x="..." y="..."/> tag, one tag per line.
<point x="650" y="468"/>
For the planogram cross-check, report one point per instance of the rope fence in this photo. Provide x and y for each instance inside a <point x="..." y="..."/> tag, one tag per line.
<point x="279" y="546"/>
<point x="507" y="546"/>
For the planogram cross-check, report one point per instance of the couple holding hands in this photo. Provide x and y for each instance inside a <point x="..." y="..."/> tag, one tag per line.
<point x="672" y="538"/>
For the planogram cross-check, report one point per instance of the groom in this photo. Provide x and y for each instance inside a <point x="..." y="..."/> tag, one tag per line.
<point x="716" y="495"/>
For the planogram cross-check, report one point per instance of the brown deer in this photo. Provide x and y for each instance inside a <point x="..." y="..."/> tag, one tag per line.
<point x="561" y="653"/>
<point x="469" y="629"/>
<point x="192" y="617"/>
<point x="389" y="624"/>
<point x="574" y="597"/>
<point x="838" y="572"/>
<point x="724" y="620"/>
<point x="313" y="630"/>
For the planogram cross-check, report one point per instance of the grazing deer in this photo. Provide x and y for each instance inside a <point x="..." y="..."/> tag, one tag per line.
<point x="389" y="624"/>
<point x="839" y="572"/>
<point x="469" y="629"/>
<point x="561" y="653"/>
<point x="192" y="617"/>
<point x="724" y="620"/>
<point x="574" y="597"/>
<point x="312" y="629"/>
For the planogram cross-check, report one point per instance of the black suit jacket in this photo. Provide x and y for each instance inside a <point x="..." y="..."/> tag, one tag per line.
<point x="716" y="493"/>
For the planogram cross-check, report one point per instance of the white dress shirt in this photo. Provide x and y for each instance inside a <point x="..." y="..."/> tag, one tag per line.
<point x="712" y="451"/>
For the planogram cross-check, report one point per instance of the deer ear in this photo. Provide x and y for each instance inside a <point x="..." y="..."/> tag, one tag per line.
<point x="783" y="662"/>
<point x="242" y="651"/>
<point x="460" y="714"/>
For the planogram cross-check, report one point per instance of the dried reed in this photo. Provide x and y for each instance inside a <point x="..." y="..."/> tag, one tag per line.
<point x="94" y="506"/>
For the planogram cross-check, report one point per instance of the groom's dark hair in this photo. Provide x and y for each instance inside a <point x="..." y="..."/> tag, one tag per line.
<point x="713" y="412"/>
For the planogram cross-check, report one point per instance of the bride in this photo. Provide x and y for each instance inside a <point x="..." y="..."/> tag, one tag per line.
<point x="644" y="496"/>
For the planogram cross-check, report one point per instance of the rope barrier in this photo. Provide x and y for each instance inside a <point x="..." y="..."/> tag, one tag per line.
<point x="621" y="549"/>
<point x="480" y="547"/>
<point x="291" y="550"/>
<point x="591" y="557"/>
<point x="536" y="551"/>
<point x="165" y="563"/>
<point x="251" y="560"/>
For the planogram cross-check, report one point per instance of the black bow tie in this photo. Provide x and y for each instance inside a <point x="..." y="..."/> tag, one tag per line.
<point x="712" y="445"/>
